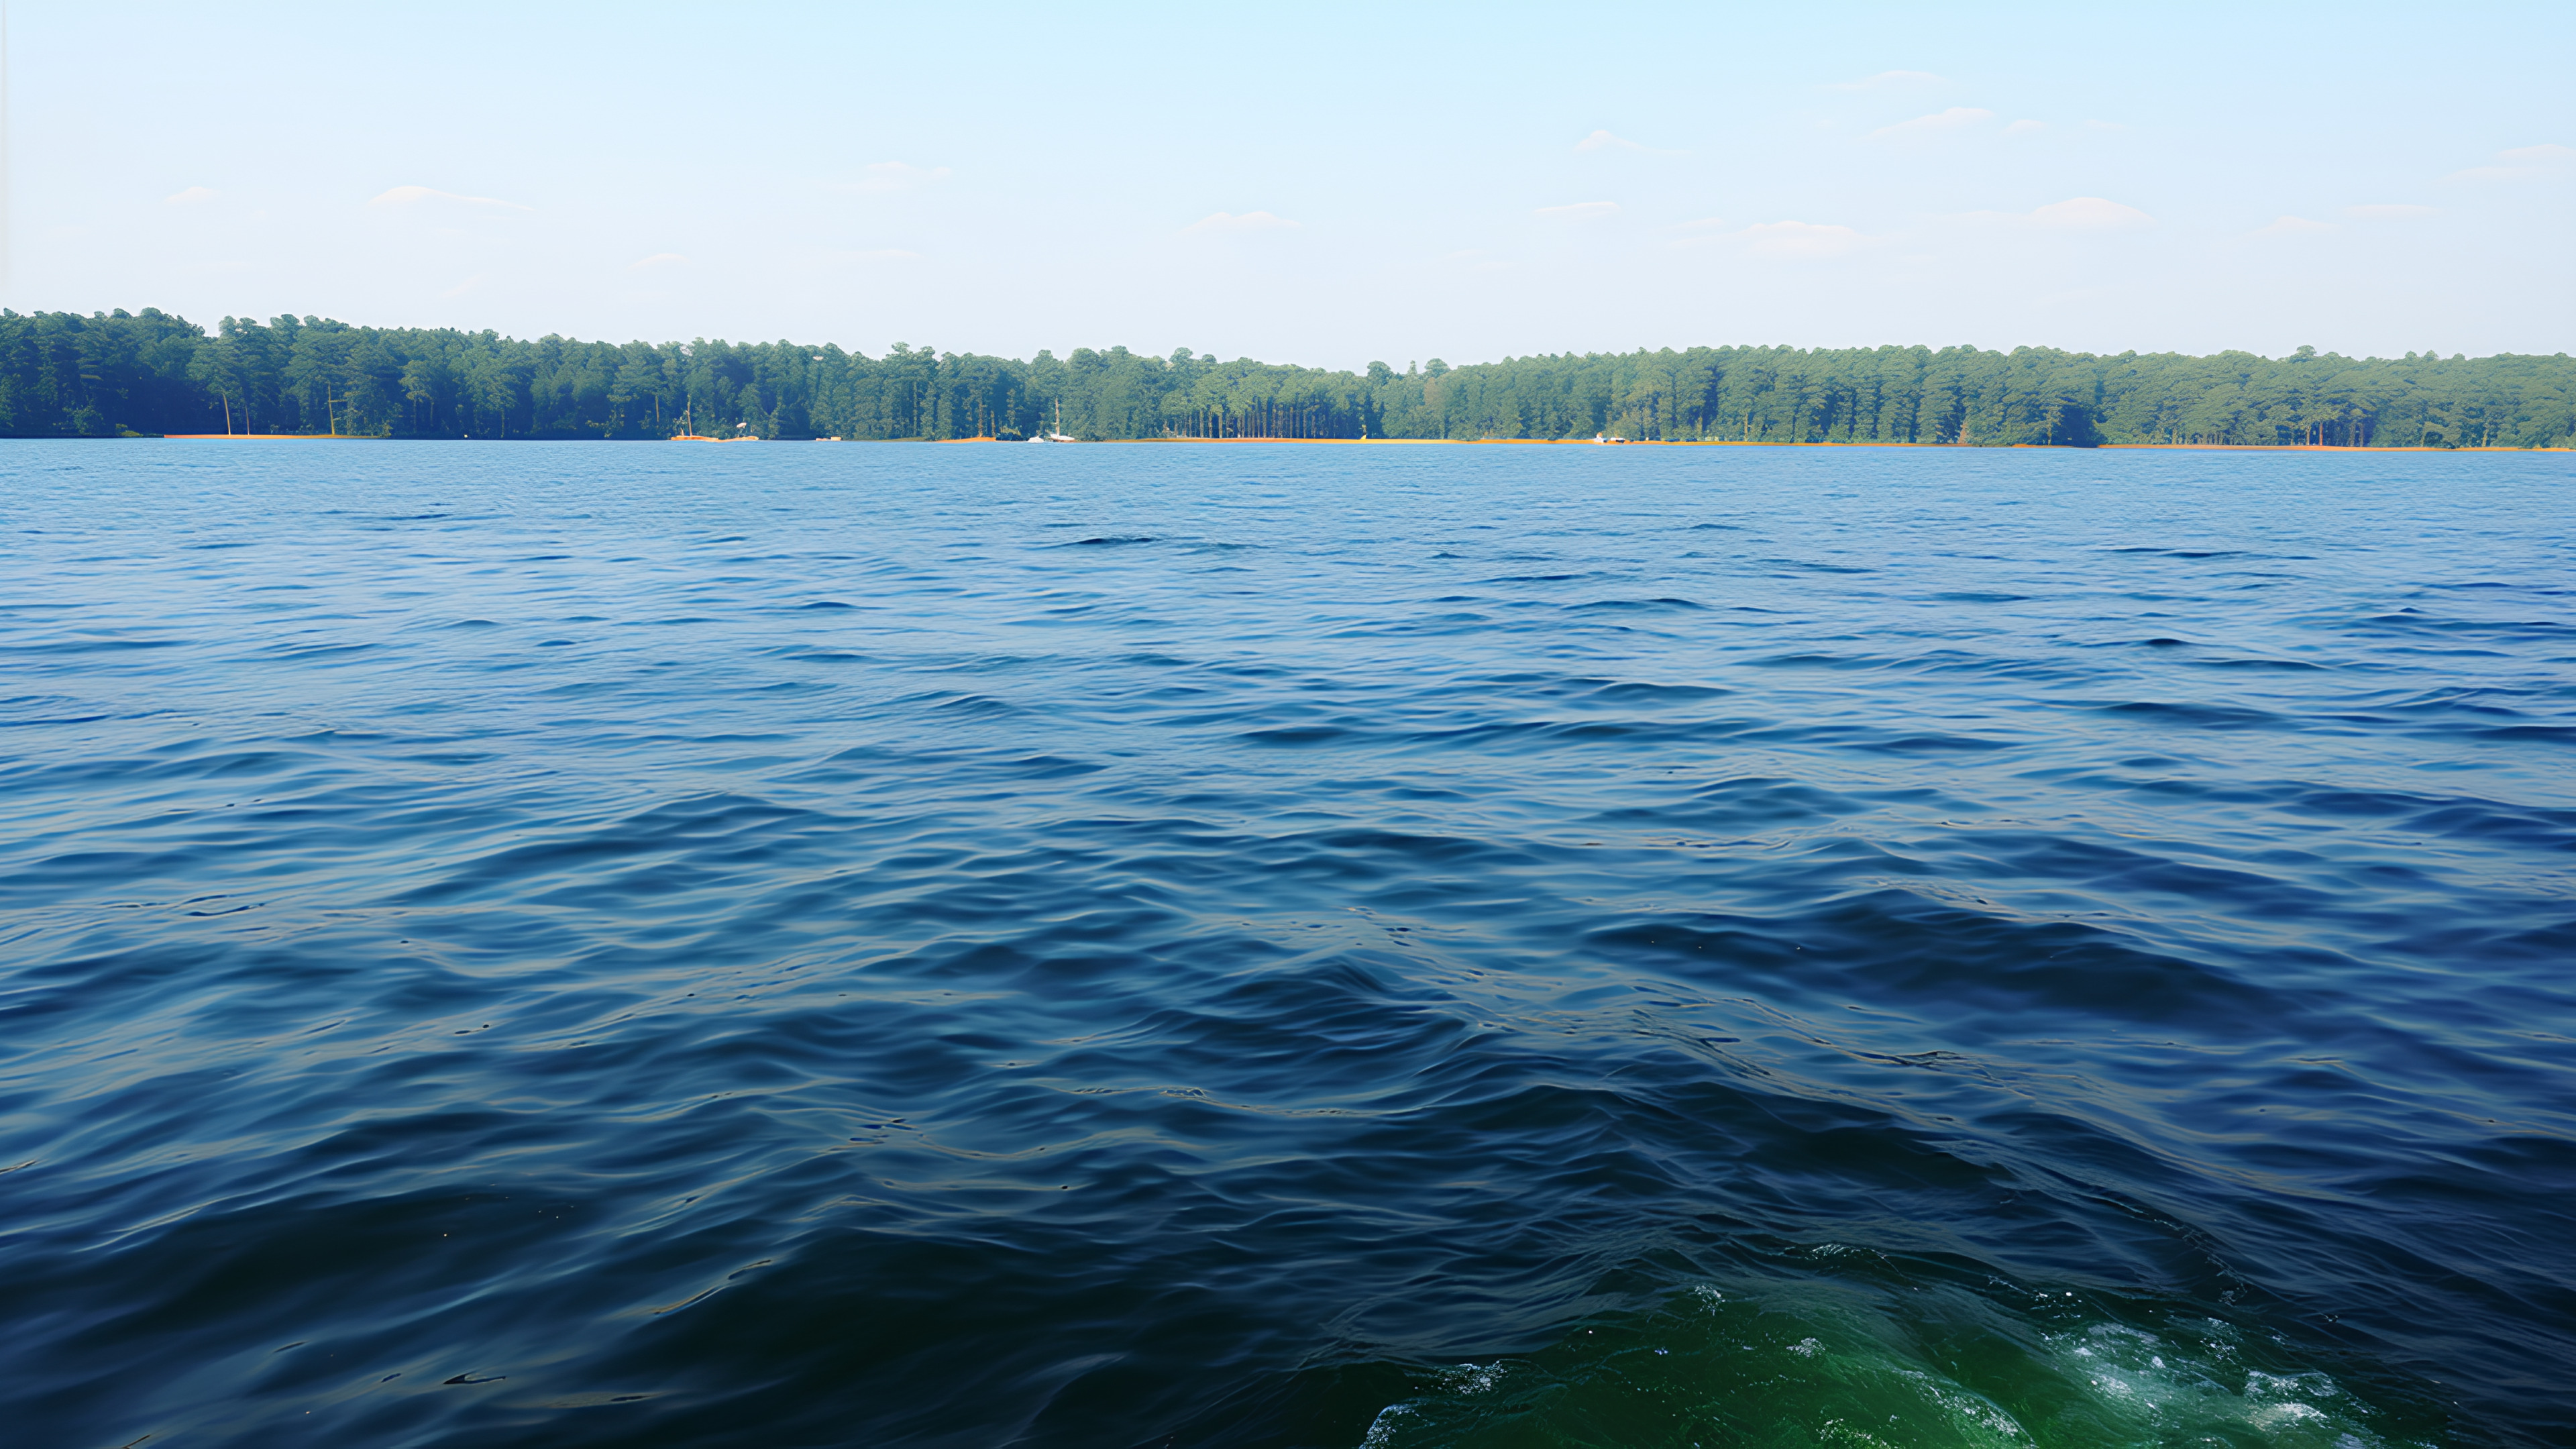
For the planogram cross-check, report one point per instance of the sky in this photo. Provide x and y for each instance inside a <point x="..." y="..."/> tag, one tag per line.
<point x="1321" y="183"/>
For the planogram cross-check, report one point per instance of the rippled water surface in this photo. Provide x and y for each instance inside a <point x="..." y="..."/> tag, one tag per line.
<point x="1271" y="945"/>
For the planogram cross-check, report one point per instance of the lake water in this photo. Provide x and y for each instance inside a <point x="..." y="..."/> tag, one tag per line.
<point x="526" y="944"/>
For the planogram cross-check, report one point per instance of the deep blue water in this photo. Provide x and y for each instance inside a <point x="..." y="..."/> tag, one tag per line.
<point x="1266" y="945"/>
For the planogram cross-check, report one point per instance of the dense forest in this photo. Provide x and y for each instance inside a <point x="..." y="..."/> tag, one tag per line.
<point x="116" y="375"/>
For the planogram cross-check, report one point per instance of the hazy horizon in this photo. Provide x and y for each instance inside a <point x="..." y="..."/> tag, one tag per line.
<point x="1329" y="188"/>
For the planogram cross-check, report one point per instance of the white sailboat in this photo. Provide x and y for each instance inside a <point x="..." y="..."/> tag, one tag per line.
<point x="1057" y="436"/>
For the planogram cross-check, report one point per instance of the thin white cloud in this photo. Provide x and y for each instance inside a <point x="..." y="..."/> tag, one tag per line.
<point x="887" y="254"/>
<point x="1226" y="223"/>
<point x="1577" y="211"/>
<point x="2521" y="163"/>
<point x="1887" y="80"/>
<point x="414" y="195"/>
<point x="2390" y="211"/>
<point x="1797" y="240"/>
<point x="658" y="259"/>
<point x="2104" y="126"/>
<point x="2293" y="226"/>
<point x="468" y="285"/>
<point x="2090" y="214"/>
<point x="1938" y="123"/>
<point x="190" y="197"/>
<point x="878" y="177"/>
<point x="2025" y="128"/>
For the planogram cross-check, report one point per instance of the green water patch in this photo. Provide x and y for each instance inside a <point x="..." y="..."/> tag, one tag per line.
<point x="1814" y="1366"/>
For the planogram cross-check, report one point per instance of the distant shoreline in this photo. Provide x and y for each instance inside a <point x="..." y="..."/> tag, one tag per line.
<point x="155" y="374"/>
<point x="1400" y="442"/>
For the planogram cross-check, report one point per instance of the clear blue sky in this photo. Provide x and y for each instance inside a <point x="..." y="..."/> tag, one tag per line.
<point x="1322" y="183"/>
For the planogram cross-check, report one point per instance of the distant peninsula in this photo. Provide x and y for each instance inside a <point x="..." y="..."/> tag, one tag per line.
<point x="120" y="374"/>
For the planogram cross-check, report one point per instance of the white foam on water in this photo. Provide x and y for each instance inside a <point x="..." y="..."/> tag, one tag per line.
<point x="1969" y="1410"/>
<point x="1848" y="1383"/>
<point x="1469" y="1378"/>
<point x="2165" y="1387"/>
<point x="1381" y="1430"/>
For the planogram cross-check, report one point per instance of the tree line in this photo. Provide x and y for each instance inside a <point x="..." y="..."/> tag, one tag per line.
<point x="123" y="374"/>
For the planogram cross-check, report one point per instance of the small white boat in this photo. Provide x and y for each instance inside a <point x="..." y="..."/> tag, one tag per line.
<point x="1056" y="436"/>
